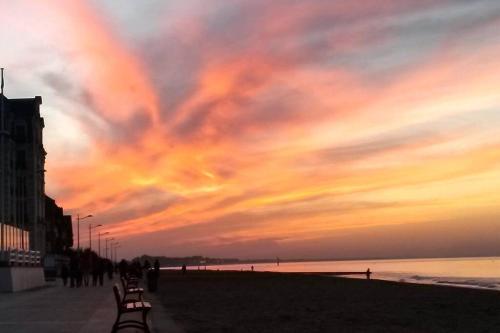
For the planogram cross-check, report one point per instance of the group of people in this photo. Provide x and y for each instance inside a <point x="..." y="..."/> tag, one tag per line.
<point x="86" y="268"/>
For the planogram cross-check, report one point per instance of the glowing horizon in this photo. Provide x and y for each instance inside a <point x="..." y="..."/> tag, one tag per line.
<point x="255" y="129"/>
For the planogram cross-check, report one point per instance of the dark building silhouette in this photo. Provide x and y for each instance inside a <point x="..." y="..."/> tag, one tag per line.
<point x="22" y="179"/>
<point x="58" y="227"/>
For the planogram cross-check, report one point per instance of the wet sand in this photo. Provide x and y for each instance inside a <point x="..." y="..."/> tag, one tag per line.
<point x="209" y="301"/>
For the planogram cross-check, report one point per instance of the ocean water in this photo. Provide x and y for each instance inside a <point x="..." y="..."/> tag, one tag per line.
<point x="481" y="272"/>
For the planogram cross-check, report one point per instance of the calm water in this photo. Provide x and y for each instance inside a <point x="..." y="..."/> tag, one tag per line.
<point x="464" y="272"/>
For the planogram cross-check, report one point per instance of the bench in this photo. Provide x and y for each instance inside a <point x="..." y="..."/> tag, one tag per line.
<point x="128" y="290"/>
<point x="130" y="307"/>
<point x="132" y="281"/>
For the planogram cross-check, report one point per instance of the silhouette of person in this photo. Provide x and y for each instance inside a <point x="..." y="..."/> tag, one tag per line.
<point x="85" y="267"/>
<point x="95" y="274"/>
<point x="147" y="265"/>
<point x="100" y="271"/>
<point x="156" y="269"/>
<point x="110" y="270"/>
<point x="73" y="271"/>
<point x="78" y="272"/>
<point x="123" y="268"/>
<point x="157" y="265"/>
<point x="73" y="268"/>
<point x="184" y="269"/>
<point x="64" y="274"/>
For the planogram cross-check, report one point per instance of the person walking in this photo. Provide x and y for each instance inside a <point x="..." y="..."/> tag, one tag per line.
<point x="110" y="269"/>
<point x="100" y="271"/>
<point x="86" y="267"/>
<point x="73" y="269"/>
<point x="64" y="274"/>
<point x="79" y="272"/>
<point x="123" y="268"/>
<point x="95" y="274"/>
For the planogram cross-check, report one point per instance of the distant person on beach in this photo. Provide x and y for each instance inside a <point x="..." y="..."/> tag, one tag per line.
<point x="157" y="265"/>
<point x="252" y="268"/>
<point x="147" y="265"/>
<point x="184" y="269"/>
<point x="64" y="274"/>
<point x="157" y="268"/>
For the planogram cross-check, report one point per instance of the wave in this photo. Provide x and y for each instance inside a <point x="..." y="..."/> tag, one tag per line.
<point x="477" y="283"/>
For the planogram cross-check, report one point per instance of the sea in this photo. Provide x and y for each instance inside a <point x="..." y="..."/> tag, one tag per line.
<point x="481" y="273"/>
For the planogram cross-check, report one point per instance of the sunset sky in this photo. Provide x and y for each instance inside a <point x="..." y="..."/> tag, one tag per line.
<point x="258" y="128"/>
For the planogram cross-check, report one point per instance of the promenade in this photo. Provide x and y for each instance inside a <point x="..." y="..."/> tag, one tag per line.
<point x="55" y="308"/>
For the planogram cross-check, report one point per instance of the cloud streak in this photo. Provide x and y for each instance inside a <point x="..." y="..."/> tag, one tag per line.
<point x="226" y="127"/>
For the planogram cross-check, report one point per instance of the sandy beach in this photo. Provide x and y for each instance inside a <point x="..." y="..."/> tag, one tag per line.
<point x="210" y="301"/>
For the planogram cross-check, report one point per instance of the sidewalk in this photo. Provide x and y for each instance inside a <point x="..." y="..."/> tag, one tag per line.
<point x="56" y="308"/>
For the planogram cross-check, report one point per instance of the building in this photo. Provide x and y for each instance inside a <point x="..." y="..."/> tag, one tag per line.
<point x="59" y="230"/>
<point x="22" y="173"/>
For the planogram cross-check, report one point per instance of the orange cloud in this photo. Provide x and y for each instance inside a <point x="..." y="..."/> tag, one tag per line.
<point x="277" y="128"/>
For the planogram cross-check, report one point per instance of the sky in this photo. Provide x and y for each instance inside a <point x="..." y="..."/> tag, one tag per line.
<point x="256" y="128"/>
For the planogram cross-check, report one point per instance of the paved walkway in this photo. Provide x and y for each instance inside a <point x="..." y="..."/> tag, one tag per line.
<point x="56" y="308"/>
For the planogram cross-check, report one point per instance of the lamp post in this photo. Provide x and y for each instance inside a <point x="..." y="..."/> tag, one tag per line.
<point x="78" y="219"/>
<point x="116" y="257"/>
<point x="90" y="234"/>
<point x="108" y="239"/>
<point x="113" y="245"/>
<point x="99" y="240"/>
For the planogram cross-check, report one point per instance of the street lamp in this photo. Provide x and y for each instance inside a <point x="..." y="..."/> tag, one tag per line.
<point x="90" y="234"/>
<point x="108" y="239"/>
<point x="112" y="247"/>
<point x="78" y="219"/>
<point x="99" y="240"/>
<point x="116" y="257"/>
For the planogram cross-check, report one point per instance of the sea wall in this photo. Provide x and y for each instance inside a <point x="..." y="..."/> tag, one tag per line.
<point x="14" y="279"/>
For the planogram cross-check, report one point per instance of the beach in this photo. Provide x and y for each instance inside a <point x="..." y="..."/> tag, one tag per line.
<point x="233" y="301"/>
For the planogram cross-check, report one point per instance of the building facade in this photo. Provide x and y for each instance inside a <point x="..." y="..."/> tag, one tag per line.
<point x="59" y="230"/>
<point x="22" y="173"/>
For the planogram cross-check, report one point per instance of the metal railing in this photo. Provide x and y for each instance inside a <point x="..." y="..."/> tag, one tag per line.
<point x="16" y="257"/>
